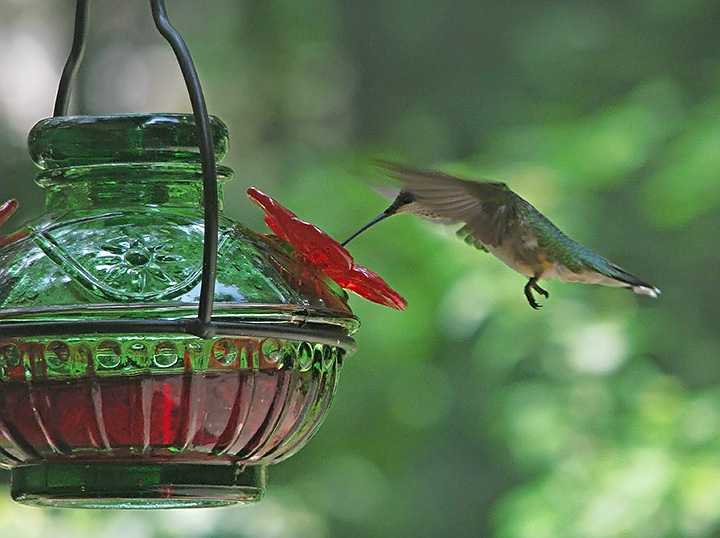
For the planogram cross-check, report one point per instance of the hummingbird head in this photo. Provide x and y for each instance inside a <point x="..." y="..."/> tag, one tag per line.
<point x="408" y="202"/>
<point x="403" y="203"/>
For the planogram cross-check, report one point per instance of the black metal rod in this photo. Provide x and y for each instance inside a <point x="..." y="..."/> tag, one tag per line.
<point x="203" y="327"/>
<point x="77" y="50"/>
<point x="309" y="332"/>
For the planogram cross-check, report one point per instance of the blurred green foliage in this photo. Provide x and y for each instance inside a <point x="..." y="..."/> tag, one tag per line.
<point x="469" y="414"/>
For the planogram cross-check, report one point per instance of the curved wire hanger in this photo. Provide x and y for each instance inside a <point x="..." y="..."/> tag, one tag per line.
<point x="203" y="326"/>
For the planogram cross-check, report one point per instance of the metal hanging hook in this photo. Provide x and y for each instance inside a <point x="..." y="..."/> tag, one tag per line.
<point x="209" y="168"/>
<point x="73" y="62"/>
<point x="202" y="326"/>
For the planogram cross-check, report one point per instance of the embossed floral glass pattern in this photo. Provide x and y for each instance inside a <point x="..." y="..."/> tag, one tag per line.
<point x="141" y="264"/>
<point x="152" y="420"/>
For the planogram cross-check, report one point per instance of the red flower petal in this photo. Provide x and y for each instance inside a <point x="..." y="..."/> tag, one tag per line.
<point x="371" y="286"/>
<point x="324" y="252"/>
<point x="6" y="211"/>
<point x="318" y="247"/>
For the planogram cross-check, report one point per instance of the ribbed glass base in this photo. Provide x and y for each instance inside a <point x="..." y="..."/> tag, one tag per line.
<point x="137" y="485"/>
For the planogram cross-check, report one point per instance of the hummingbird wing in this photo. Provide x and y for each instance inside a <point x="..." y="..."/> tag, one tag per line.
<point x="487" y="208"/>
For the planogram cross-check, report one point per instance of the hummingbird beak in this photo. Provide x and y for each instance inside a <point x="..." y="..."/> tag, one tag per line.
<point x="403" y="198"/>
<point x="381" y="216"/>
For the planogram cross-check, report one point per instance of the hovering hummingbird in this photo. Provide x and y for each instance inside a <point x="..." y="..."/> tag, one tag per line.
<point x="497" y="220"/>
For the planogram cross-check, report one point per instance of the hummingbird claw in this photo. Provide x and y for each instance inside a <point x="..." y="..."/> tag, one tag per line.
<point x="541" y="291"/>
<point x="533" y="285"/>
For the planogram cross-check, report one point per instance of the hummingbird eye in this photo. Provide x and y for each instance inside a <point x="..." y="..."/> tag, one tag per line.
<point x="405" y="197"/>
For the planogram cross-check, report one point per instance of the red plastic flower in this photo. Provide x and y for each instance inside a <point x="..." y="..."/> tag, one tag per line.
<point x="324" y="252"/>
<point x="6" y="211"/>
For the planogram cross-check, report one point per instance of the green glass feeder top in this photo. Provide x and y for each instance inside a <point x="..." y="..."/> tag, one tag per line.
<point x="62" y="142"/>
<point x="123" y="233"/>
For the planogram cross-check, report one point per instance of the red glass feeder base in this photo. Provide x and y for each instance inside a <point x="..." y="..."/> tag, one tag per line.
<point x="90" y="422"/>
<point x="137" y="485"/>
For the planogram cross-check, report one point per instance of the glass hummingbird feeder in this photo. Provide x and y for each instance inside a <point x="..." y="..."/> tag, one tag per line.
<point x="154" y="353"/>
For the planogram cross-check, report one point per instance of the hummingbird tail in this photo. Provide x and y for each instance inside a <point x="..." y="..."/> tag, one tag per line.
<point x="631" y="281"/>
<point x="646" y="290"/>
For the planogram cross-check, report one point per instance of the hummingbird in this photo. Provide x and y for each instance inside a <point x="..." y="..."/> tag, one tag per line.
<point x="496" y="220"/>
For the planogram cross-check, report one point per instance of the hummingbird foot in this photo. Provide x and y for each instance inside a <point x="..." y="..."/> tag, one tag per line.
<point x="541" y="291"/>
<point x="533" y="285"/>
